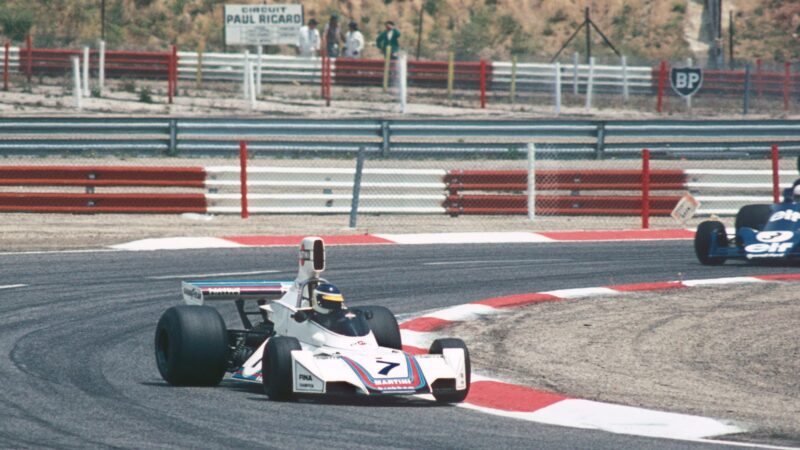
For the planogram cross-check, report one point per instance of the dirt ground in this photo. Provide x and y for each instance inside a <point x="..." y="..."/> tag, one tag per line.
<point x="730" y="353"/>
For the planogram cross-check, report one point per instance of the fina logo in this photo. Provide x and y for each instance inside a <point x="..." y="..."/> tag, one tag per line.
<point x="774" y="236"/>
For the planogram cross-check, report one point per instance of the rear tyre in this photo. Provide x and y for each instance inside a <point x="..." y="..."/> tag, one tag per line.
<point x="191" y="345"/>
<point x="449" y="394"/>
<point x="753" y="216"/>
<point x="702" y="242"/>
<point x="276" y="367"/>
<point x="384" y="326"/>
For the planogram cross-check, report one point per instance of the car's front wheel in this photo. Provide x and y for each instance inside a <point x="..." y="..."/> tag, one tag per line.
<point x="276" y="367"/>
<point x="191" y="345"/>
<point x="448" y="393"/>
<point x="702" y="242"/>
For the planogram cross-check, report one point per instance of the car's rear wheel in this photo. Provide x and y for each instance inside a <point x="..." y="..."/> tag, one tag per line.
<point x="448" y="393"/>
<point x="191" y="346"/>
<point x="702" y="242"/>
<point x="384" y="326"/>
<point x="276" y="367"/>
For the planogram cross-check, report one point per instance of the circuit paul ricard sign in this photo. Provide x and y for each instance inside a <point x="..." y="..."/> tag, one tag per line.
<point x="262" y="24"/>
<point x="686" y="81"/>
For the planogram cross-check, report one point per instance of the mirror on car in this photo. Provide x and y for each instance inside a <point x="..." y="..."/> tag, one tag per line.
<point x="300" y="316"/>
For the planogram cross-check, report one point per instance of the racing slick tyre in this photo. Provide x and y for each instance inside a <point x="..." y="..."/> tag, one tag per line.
<point x="191" y="346"/>
<point x="448" y="394"/>
<point x="702" y="242"/>
<point x="276" y="367"/>
<point x="753" y="216"/>
<point x="384" y="326"/>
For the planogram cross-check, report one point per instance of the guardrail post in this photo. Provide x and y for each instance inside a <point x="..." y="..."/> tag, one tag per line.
<point x="101" y="68"/>
<point x="532" y="181"/>
<point x="645" y="188"/>
<point x="776" y="179"/>
<point x="662" y="77"/>
<point x="357" y="187"/>
<point x="5" y="66"/>
<point x="173" y="137"/>
<point x="243" y="178"/>
<point x="599" y="150"/>
<point x="787" y="76"/>
<point x="513" y="89"/>
<point x="385" y="132"/>
<point x="746" y="100"/>
<point x="483" y="83"/>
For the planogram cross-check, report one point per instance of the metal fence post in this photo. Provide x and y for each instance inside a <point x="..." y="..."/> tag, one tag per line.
<point x="243" y="178"/>
<point x="590" y="84"/>
<point x="746" y="100"/>
<point x="5" y="66"/>
<point x="259" y="57"/>
<point x="532" y="181"/>
<point x="575" y="73"/>
<point x="173" y="137"/>
<point x="645" y="188"/>
<point x="357" y="187"/>
<point x="29" y="62"/>
<point x="101" y="68"/>
<point x="662" y="77"/>
<point x="85" y="80"/>
<point x="402" y="76"/>
<point x="76" y="87"/>
<point x="483" y="83"/>
<point x="199" y="69"/>
<point x="385" y="132"/>
<point x="450" y="74"/>
<point x="513" y="88"/>
<point x="689" y="97"/>
<point x="557" y="74"/>
<point x="386" y="65"/>
<point x="625" y="90"/>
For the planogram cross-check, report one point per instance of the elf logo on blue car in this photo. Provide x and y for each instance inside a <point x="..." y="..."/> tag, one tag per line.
<point x="792" y="216"/>
<point x="772" y="244"/>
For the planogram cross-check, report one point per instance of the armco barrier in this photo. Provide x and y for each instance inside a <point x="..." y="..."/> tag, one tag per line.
<point x="503" y="192"/>
<point x="105" y="177"/>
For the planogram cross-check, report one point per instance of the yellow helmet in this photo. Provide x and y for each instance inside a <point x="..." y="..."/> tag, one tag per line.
<point x="327" y="298"/>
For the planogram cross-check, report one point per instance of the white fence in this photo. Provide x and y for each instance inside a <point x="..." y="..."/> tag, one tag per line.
<point x="723" y="192"/>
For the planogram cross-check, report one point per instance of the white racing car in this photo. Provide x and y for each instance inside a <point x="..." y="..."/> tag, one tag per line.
<point x="307" y="341"/>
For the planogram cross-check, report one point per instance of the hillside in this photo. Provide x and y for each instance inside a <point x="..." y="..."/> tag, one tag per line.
<point x="645" y="30"/>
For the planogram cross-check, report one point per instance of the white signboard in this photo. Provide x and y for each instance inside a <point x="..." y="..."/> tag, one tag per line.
<point x="262" y="24"/>
<point x="685" y="208"/>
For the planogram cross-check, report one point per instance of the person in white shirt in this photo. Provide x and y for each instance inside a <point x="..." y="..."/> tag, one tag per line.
<point x="308" y="40"/>
<point x="354" y="42"/>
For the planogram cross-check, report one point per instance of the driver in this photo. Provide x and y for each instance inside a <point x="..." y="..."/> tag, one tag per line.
<point x="327" y="299"/>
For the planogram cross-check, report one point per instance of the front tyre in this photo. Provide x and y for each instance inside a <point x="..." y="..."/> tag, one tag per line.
<point x="448" y="394"/>
<point x="702" y="242"/>
<point x="384" y="326"/>
<point x="191" y="345"/>
<point x="276" y="367"/>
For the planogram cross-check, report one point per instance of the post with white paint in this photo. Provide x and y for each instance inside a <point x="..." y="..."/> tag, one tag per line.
<point x="590" y="84"/>
<point x="625" y="90"/>
<point x="689" y="97"/>
<point x="531" y="181"/>
<point x="86" y="92"/>
<point x="258" y="69"/>
<point x="557" y="75"/>
<point x="362" y="154"/>
<point x="245" y="83"/>
<point x="402" y="82"/>
<point x="76" y="88"/>
<point x="101" y="67"/>
<point x="251" y="88"/>
<point x="575" y="73"/>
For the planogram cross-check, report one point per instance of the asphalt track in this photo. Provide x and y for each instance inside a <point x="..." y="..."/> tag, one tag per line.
<point x="78" y="371"/>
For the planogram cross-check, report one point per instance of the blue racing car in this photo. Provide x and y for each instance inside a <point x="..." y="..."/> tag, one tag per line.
<point x="763" y="232"/>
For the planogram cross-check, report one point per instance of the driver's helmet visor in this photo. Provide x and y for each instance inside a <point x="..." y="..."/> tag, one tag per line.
<point x="330" y="301"/>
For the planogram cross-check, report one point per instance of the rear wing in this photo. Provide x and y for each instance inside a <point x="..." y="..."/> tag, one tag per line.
<point x="198" y="292"/>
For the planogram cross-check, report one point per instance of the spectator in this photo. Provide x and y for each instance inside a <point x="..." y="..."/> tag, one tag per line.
<point x="308" y="39"/>
<point x="333" y="36"/>
<point x="390" y="37"/>
<point x="354" y="42"/>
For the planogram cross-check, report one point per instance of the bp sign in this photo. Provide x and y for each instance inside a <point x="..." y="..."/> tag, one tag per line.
<point x="686" y="81"/>
<point x="262" y="24"/>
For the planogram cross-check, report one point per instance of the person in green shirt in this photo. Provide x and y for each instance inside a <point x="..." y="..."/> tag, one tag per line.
<point x="390" y="37"/>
